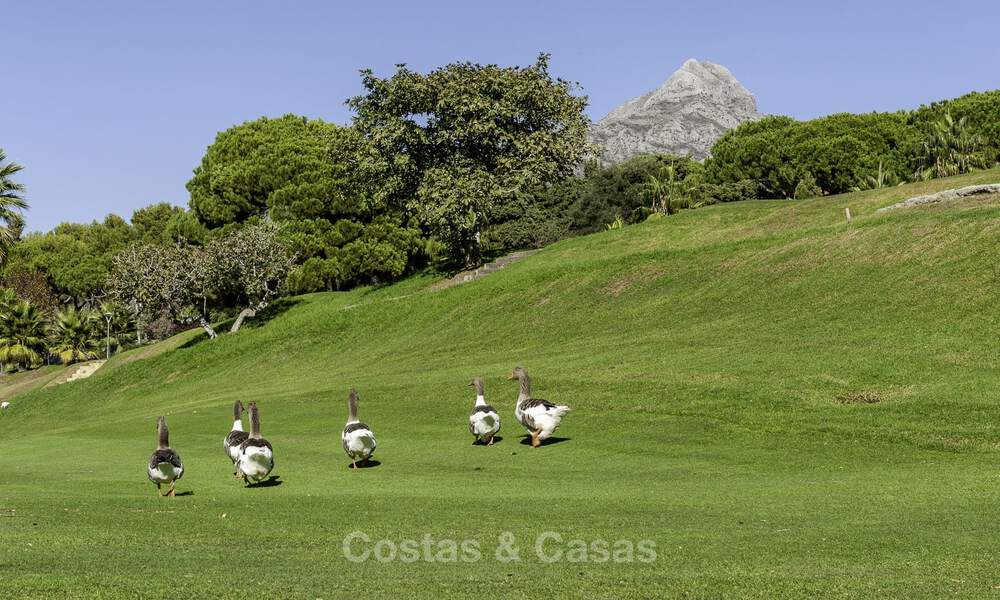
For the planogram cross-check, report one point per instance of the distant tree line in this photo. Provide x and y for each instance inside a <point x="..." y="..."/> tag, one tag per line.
<point x="846" y="152"/>
<point x="443" y="169"/>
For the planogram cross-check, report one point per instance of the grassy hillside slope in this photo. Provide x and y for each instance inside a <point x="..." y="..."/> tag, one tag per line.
<point x="717" y="363"/>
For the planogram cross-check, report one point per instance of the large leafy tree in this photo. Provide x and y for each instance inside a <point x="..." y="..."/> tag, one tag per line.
<point x="151" y="223"/>
<point x="455" y="146"/>
<point x="11" y="204"/>
<point x="267" y="165"/>
<point x="296" y="172"/>
<point x="74" y="258"/>
<point x="32" y="286"/>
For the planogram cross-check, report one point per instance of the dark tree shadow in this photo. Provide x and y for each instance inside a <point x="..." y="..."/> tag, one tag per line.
<point x="526" y="441"/>
<point x="368" y="464"/>
<point x="450" y="268"/>
<point x="271" y="481"/>
<point x="274" y="309"/>
<point x="201" y="337"/>
<point x="496" y="440"/>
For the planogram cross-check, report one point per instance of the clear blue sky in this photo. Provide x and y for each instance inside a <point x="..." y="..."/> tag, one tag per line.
<point x="110" y="105"/>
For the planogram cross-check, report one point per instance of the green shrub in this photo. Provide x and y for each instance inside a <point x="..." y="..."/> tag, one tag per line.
<point x="624" y="190"/>
<point x="981" y="111"/>
<point x="837" y="151"/>
<point x="807" y="188"/>
<point x="735" y="191"/>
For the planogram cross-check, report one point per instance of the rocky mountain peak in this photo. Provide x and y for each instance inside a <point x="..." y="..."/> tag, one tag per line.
<point x="684" y="116"/>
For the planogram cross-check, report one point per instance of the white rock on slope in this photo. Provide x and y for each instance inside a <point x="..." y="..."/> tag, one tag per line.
<point x="684" y="116"/>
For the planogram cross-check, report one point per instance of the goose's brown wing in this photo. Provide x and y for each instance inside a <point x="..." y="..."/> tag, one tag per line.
<point x="260" y="443"/>
<point x="235" y="438"/>
<point x="533" y="402"/>
<point x="165" y="455"/>
<point x="351" y="427"/>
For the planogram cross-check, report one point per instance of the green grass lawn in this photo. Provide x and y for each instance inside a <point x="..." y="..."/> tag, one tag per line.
<point x="711" y="359"/>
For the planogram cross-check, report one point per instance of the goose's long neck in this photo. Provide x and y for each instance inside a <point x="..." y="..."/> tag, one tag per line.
<point x="254" y="423"/>
<point x="352" y="407"/>
<point x="480" y="397"/>
<point x="525" y="388"/>
<point x="164" y="434"/>
<point x="238" y="416"/>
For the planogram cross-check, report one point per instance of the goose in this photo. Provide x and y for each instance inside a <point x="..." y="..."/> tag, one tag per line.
<point x="231" y="443"/>
<point x="540" y="417"/>
<point x="484" y="422"/>
<point x="256" y="457"/>
<point x="165" y="464"/>
<point x="358" y="439"/>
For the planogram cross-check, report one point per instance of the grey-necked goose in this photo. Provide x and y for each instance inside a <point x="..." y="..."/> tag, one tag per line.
<point x="165" y="464"/>
<point x="540" y="417"/>
<point x="256" y="457"/>
<point x="357" y="438"/>
<point x="231" y="443"/>
<point x="484" y="421"/>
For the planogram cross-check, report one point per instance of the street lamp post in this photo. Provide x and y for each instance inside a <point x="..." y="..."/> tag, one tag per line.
<point x="107" y="317"/>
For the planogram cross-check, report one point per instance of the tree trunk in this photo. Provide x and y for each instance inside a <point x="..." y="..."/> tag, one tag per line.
<point x="472" y="251"/>
<point x="208" y="328"/>
<point x="245" y="314"/>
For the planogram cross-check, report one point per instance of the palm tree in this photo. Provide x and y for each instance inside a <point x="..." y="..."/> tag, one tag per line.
<point x="951" y="148"/>
<point x="8" y="298"/>
<point x="883" y="178"/>
<point x="661" y="190"/>
<point x="75" y="336"/>
<point x="11" y="205"/>
<point x="22" y="336"/>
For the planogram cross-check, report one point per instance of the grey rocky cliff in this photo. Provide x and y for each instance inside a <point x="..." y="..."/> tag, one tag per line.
<point x="684" y="116"/>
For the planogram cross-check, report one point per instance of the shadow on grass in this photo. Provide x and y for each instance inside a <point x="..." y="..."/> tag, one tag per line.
<point x="526" y="441"/>
<point x="445" y="268"/>
<point x="187" y="493"/>
<point x="201" y="337"/>
<point x="275" y="309"/>
<point x="496" y="440"/>
<point x="368" y="464"/>
<point x="271" y="481"/>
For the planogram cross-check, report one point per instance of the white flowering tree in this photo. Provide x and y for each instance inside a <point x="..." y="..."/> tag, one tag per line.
<point x="251" y="264"/>
<point x="152" y="279"/>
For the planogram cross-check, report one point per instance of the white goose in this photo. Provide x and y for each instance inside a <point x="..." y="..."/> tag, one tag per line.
<point x="256" y="457"/>
<point x="231" y="443"/>
<point x="484" y="422"/>
<point x="540" y="417"/>
<point x="165" y="464"/>
<point x="357" y="438"/>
